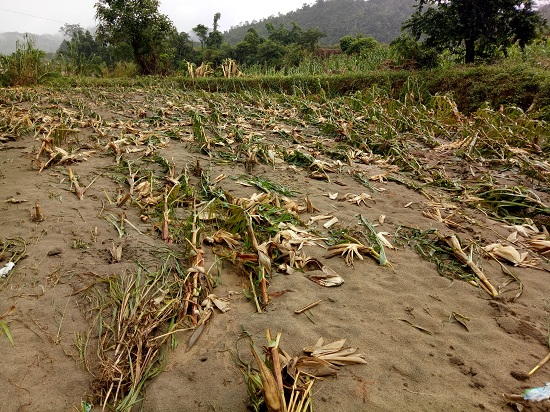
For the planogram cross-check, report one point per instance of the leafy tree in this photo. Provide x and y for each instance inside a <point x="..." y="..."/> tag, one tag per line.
<point x="309" y="39"/>
<point x="381" y="19"/>
<point x="474" y="28"/>
<point x="357" y="45"/>
<point x="202" y="33"/>
<point x="271" y="54"/>
<point x="246" y="51"/>
<point x="217" y="18"/>
<point x="139" y="24"/>
<point x="182" y="47"/>
<point x="81" y="52"/>
<point x="411" y="53"/>
<point x="282" y="35"/>
<point x="215" y="38"/>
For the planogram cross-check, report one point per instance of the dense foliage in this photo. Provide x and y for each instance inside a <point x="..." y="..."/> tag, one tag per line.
<point x="381" y="19"/>
<point x="139" y="24"/>
<point x="472" y="28"/>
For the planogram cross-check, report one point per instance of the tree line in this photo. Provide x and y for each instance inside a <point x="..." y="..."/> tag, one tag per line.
<point x="136" y="31"/>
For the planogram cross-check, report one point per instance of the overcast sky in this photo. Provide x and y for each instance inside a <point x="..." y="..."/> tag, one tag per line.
<point x="47" y="16"/>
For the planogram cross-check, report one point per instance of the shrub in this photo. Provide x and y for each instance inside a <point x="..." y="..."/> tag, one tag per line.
<point x="23" y="67"/>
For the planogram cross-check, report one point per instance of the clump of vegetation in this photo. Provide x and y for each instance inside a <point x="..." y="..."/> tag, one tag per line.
<point x="24" y="67"/>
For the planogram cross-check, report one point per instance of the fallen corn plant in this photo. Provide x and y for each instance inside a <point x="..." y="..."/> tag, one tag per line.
<point x="283" y="382"/>
<point x="376" y="241"/>
<point x="511" y="204"/>
<point x="450" y="258"/>
<point x="135" y="316"/>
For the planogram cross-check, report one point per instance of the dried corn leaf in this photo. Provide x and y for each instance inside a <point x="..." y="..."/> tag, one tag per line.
<point x="335" y="353"/>
<point x="348" y="251"/>
<point x="224" y="237"/>
<point x="512" y="237"/>
<point x="540" y="245"/>
<point x="312" y="366"/>
<point x="293" y="206"/>
<point x="286" y="269"/>
<point x="314" y="219"/>
<point x="330" y="223"/>
<point x="16" y="201"/>
<point x="380" y="178"/>
<point x="219" y="178"/>
<point x="385" y="242"/>
<point x="508" y="253"/>
<point x="143" y="189"/>
<point x="116" y="253"/>
<point x="213" y="300"/>
<point x="524" y="230"/>
<point x="358" y="199"/>
<point x="263" y="256"/>
<point x="269" y="385"/>
<point x="325" y="277"/>
<point x="320" y="348"/>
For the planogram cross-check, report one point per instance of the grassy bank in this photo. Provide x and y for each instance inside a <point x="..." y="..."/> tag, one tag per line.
<point x="471" y="87"/>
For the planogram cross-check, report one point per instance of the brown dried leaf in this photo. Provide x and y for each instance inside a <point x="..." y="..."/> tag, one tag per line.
<point x="313" y="366"/>
<point x="335" y="353"/>
<point x="330" y="223"/>
<point x="16" y="201"/>
<point x="116" y="253"/>
<point x="508" y="253"/>
<point x="327" y="277"/>
<point x="386" y="242"/>
<point x="314" y="219"/>
<point x="358" y="199"/>
<point x="540" y="245"/>
<point x="222" y="236"/>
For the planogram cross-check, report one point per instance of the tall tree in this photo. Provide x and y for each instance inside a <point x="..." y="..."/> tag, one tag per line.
<point x="472" y="27"/>
<point x="215" y="38"/>
<point x="139" y="24"/>
<point x="202" y="33"/>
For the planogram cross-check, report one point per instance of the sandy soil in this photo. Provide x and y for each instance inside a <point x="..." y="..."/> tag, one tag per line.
<point x="443" y="366"/>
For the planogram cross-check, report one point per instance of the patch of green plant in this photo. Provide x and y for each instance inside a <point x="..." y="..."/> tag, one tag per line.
<point x="430" y="247"/>
<point x="298" y="158"/>
<point x="268" y="186"/>
<point x="24" y="67"/>
<point x="511" y="204"/>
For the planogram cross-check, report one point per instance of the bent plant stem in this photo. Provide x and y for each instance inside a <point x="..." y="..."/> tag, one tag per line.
<point x="198" y="262"/>
<point x="165" y="229"/>
<point x="261" y="263"/>
<point x="540" y="364"/>
<point x="274" y="350"/>
<point x="380" y="256"/>
<point x="453" y="242"/>
<point x="258" y="306"/>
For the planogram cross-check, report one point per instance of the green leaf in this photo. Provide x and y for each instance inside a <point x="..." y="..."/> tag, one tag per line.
<point x="7" y="332"/>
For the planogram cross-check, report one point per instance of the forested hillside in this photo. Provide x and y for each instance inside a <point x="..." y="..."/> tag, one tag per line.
<point x="380" y="19"/>
<point x="545" y="11"/>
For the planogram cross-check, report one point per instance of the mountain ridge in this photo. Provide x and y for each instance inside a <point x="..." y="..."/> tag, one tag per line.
<point x="381" y="19"/>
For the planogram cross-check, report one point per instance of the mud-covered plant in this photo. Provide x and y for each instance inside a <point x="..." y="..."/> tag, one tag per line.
<point x="136" y="315"/>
